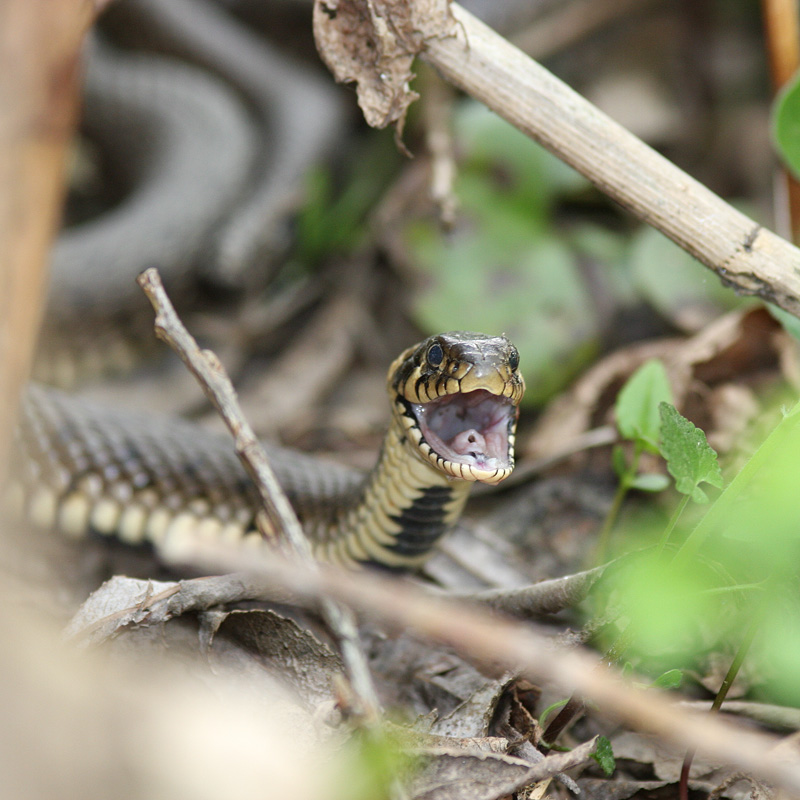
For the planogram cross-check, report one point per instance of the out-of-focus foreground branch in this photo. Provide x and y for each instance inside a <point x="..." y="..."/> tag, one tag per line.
<point x="492" y="639"/>
<point x="39" y="66"/>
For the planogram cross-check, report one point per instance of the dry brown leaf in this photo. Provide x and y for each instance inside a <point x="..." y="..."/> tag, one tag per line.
<point x="373" y="43"/>
<point x="262" y="639"/>
<point x="733" y="346"/>
<point x="454" y="775"/>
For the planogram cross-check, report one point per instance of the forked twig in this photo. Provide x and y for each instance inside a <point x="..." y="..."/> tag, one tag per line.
<point x="211" y="375"/>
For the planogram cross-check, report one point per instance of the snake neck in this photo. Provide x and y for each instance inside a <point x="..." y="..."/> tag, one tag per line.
<point x="403" y="508"/>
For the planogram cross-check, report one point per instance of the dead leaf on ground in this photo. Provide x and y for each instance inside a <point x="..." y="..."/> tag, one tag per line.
<point x="741" y="347"/>
<point x="262" y="639"/>
<point x="666" y="763"/>
<point x="454" y="775"/>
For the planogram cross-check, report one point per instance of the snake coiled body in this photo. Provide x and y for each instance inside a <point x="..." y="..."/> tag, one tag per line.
<point x="183" y="148"/>
<point x="82" y="468"/>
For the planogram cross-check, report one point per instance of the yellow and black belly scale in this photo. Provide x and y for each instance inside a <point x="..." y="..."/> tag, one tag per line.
<point x="142" y="478"/>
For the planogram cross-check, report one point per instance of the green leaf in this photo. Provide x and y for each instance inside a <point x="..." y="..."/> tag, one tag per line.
<point x="671" y="679"/>
<point x="637" y="404"/>
<point x="786" y="124"/>
<point x="690" y="459"/>
<point x="650" y="482"/>
<point x="604" y="756"/>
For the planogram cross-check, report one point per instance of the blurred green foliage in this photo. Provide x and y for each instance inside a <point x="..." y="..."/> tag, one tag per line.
<point x="786" y="125"/>
<point x="333" y="218"/>
<point x="736" y="564"/>
<point x="675" y="284"/>
<point x="517" y="260"/>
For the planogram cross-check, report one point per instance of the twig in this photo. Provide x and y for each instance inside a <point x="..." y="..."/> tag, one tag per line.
<point x="437" y="108"/>
<point x="215" y="383"/>
<point x="516" y="646"/>
<point x="474" y="58"/>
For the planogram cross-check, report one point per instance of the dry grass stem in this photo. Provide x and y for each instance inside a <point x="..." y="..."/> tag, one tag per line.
<point x="39" y="70"/>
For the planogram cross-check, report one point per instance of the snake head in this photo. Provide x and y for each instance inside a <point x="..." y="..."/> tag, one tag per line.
<point x="457" y="397"/>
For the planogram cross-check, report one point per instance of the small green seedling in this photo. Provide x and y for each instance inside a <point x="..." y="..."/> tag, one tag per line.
<point x="604" y="756"/>
<point x="638" y="422"/>
<point x="637" y="405"/>
<point x="690" y="458"/>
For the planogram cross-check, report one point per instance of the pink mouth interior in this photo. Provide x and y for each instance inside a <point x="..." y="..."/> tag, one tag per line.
<point x="469" y="428"/>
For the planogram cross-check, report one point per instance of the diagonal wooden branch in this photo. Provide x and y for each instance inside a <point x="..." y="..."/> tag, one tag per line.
<point x="747" y="257"/>
<point x="205" y="366"/>
<point x="470" y="55"/>
<point x="515" y="645"/>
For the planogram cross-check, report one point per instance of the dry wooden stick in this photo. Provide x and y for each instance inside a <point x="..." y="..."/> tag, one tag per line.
<point x="205" y="366"/>
<point x="516" y="646"/>
<point x="746" y="256"/>
<point x="373" y="43"/>
<point x="782" y="37"/>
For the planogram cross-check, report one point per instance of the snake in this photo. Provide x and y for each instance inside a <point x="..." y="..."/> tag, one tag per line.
<point x="165" y="482"/>
<point x="205" y="131"/>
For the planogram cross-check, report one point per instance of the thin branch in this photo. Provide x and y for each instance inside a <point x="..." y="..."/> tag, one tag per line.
<point x="485" y="636"/>
<point x="744" y="255"/>
<point x="205" y="366"/>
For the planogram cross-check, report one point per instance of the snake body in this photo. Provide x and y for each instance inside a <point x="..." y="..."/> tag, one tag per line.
<point x="82" y="468"/>
<point x="297" y="117"/>
<point x="183" y="146"/>
<point x="206" y="133"/>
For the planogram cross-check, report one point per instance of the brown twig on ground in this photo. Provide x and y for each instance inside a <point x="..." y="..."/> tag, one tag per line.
<point x="39" y="68"/>
<point x="485" y="636"/>
<point x="205" y="366"/>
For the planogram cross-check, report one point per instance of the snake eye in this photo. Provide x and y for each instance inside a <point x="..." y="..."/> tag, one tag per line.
<point x="513" y="359"/>
<point x="435" y="355"/>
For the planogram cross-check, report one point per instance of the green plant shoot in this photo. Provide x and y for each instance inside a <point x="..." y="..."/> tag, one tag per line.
<point x="638" y="421"/>
<point x="690" y="458"/>
<point x="637" y="405"/>
<point x="604" y="755"/>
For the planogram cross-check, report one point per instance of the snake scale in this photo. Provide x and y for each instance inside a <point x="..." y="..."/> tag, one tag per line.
<point x="454" y="398"/>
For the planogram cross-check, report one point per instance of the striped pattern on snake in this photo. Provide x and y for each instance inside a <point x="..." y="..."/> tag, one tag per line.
<point x="455" y="398"/>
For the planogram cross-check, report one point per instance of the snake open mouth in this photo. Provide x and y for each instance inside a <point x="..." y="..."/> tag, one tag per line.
<point x="473" y="430"/>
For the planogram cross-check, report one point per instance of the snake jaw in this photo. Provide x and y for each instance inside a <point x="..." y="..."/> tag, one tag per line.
<point x="468" y="435"/>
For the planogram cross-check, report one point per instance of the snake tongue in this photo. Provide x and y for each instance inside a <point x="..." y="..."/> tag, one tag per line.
<point x="470" y="428"/>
